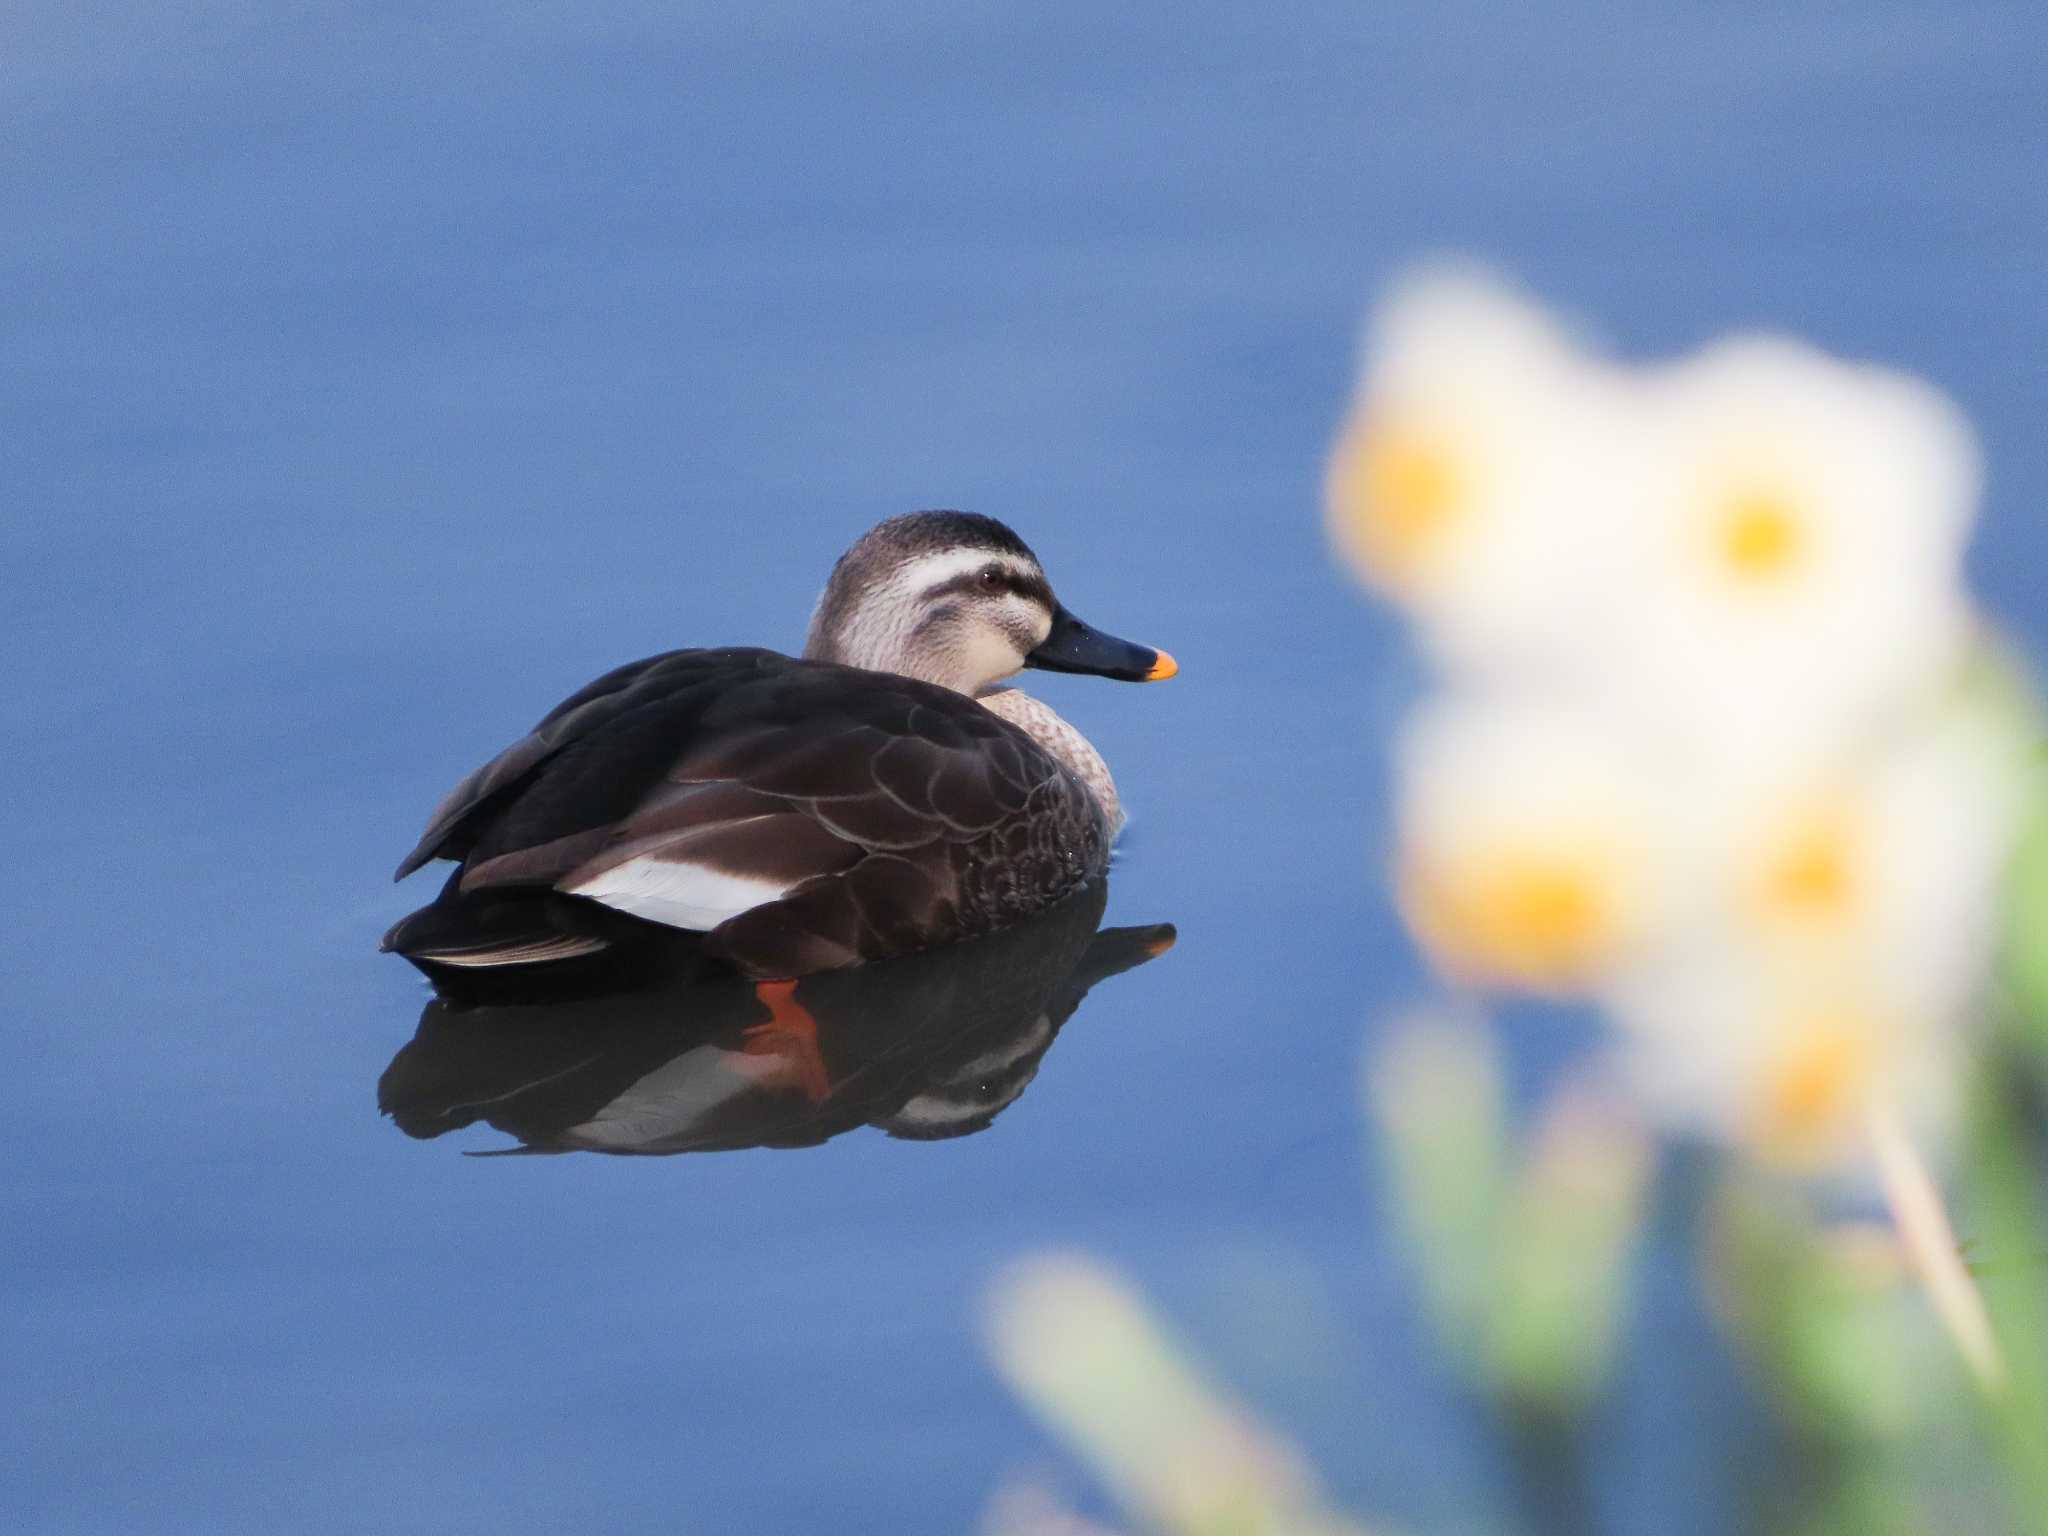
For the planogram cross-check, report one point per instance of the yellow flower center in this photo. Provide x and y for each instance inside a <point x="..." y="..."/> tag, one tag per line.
<point x="1761" y="534"/>
<point x="1395" y="493"/>
<point x="1810" y="875"/>
<point x="1547" y="920"/>
<point x="1812" y="1084"/>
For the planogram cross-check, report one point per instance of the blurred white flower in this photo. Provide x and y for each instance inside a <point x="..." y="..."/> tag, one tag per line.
<point x="1797" y="550"/>
<point x="1706" y="626"/>
<point x="1889" y="862"/>
<point x="1471" y="482"/>
<point x="1839" y="956"/>
<point x="1782" y="1064"/>
<point x="1538" y="847"/>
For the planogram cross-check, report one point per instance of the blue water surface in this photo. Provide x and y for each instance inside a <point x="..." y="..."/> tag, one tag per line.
<point x="373" y="376"/>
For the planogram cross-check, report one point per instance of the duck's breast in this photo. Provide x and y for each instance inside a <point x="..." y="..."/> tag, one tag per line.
<point x="1067" y="746"/>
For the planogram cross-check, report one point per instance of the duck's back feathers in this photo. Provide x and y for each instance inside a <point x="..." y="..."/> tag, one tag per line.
<point x="452" y="827"/>
<point x="803" y="815"/>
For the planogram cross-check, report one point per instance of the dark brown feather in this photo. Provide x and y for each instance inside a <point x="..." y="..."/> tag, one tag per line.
<point x="875" y="821"/>
<point x="787" y="848"/>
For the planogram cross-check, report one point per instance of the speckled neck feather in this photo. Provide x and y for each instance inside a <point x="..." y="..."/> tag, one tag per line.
<point x="1042" y="723"/>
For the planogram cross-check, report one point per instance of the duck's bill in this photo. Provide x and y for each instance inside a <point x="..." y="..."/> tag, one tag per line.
<point x="1073" y="647"/>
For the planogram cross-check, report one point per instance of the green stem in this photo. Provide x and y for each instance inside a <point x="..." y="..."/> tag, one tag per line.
<point x="2008" y="1155"/>
<point x="1548" y="1472"/>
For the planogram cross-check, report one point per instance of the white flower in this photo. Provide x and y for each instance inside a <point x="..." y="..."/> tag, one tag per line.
<point x="1839" y="954"/>
<point x="1537" y="847"/>
<point x="1783" y="1064"/>
<point x="1710" y="758"/>
<point x="1472" y="483"/>
<point x="1797" y="546"/>
<point x="1896" y="857"/>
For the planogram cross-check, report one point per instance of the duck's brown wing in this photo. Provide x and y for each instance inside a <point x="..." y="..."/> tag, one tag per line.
<point x="453" y="827"/>
<point x="803" y="816"/>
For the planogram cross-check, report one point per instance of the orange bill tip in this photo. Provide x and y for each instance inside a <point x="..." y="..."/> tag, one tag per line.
<point x="1162" y="669"/>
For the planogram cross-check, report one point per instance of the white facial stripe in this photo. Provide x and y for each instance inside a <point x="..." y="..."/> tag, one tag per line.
<point x="928" y="571"/>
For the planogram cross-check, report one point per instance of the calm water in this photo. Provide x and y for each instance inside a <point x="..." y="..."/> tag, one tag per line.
<point x="370" y="383"/>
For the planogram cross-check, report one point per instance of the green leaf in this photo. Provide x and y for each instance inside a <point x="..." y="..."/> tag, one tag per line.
<point x="1569" y="1233"/>
<point x="1436" y="1098"/>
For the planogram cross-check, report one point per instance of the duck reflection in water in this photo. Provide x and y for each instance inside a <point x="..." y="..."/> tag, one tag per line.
<point x="654" y="1058"/>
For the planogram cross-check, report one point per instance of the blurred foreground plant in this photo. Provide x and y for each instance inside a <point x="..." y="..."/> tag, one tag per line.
<point x="1081" y="1349"/>
<point x="1521" y="1254"/>
<point x="1719" y="747"/>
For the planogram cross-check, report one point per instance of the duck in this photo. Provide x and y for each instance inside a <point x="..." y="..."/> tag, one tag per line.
<point x="886" y="791"/>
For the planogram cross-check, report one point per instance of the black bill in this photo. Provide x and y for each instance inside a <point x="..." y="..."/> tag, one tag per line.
<point x="1073" y="647"/>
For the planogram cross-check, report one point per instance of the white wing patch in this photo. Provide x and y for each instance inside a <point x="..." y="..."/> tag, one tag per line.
<point x="681" y="895"/>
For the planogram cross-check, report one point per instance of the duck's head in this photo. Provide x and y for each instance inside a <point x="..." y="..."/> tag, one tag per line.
<point x="958" y="599"/>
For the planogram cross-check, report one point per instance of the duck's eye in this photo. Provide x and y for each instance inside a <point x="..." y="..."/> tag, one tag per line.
<point x="992" y="578"/>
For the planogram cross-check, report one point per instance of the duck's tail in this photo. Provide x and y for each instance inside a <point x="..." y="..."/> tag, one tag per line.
<point x="489" y="931"/>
